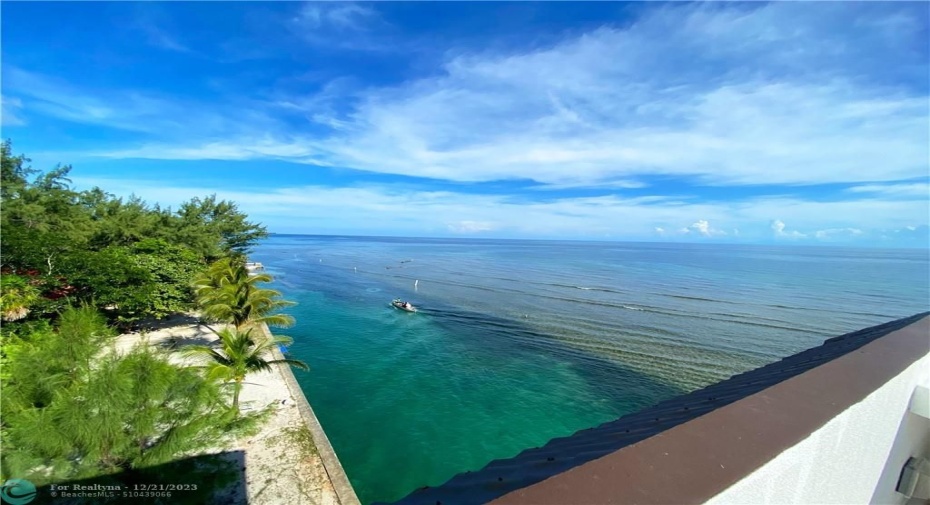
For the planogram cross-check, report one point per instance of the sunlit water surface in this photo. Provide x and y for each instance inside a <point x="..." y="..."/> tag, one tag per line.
<point x="517" y="342"/>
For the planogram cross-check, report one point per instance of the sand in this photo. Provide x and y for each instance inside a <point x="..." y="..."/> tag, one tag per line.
<point x="281" y="463"/>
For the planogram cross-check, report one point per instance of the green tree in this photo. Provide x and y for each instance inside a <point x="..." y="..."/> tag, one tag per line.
<point x="14" y="171"/>
<point x="40" y="220"/>
<point x="111" y="279"/>
<point x="65" y="418"/>
<point x="17" y="296"/>
<point x="95" y="247"/>
<point x="216" y="228"/>
<point x="239" y="355"/>
<point x="227" y="292"/>
<point x="118" y="222"/>
<point x="171" y="268"/>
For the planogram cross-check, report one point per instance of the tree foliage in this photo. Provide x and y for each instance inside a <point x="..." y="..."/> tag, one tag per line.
<point x="17" y="296"/>
<point x="171" y="269"/>
<point x="72" y="407"/>
<point x="216" y="229"/>
<point x="227" y="292"/>
<point x="122" y="254"/>
<point x="66" y="418"/>
<point x="239" y="355"/>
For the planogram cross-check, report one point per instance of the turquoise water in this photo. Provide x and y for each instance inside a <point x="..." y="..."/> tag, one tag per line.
<point x="517" y="342"/>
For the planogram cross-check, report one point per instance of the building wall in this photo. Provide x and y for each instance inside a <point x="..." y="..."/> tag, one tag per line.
<point x="913" y="440"/>
<point x="845" y="460"/>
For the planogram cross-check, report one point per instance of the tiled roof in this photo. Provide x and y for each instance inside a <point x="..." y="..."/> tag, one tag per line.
<point x="531" y="466"/>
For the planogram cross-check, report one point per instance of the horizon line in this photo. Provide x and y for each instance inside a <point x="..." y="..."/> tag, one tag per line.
<point x="609" y="241"/>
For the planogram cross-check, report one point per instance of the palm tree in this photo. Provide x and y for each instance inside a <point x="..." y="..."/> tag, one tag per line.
<point x="228" y="292"/>
<point x="238" y="356"/>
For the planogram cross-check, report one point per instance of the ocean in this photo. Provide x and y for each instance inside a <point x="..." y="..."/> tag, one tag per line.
<point x="517" y="342"/>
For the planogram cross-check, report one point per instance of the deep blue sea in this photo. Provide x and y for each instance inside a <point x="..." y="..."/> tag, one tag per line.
<point x="517" y="342"/>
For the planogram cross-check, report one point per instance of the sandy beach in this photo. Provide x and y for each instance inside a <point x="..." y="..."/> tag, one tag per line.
<point x="282" y="465"/>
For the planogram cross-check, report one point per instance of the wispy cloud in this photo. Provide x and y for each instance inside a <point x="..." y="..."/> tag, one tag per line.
<point x="162" y="39"/>
<point x="338" y="15"/>
<point x="470" y="227"/>
<point x="340" y="25"/>
<point x="920" y="190"/>
<point x="10" y="111"/>
<point x="424" y="212"/>
<point x="166" y="118"/>
<point x="615" y="104"/>
<point x="221" y="150"/>
<point x="619" y="184"/>
<point x="153" y="23"/>
<point x="695" y="95"/>
<point x="835" y="233"/>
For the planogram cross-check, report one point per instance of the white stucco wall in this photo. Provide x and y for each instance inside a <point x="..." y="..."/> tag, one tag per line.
<point x="844" y="461"/>
<point x="913" y="435"/>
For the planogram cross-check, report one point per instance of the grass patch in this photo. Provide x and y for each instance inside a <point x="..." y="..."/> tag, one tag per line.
<point x="247" y="424"/>
<point x="303" y="438"/>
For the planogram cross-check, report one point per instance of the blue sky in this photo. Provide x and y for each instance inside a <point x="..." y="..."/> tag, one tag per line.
<point x="801" y="123"/>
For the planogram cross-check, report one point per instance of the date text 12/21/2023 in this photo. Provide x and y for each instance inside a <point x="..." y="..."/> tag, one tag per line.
<point x="113" y="491"/>
<point x="118" y="487"/>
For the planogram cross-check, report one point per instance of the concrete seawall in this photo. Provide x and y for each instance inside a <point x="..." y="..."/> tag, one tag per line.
<point x="337" y="475"/>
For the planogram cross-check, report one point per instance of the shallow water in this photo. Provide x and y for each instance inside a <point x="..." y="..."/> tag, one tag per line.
<point x="517" y="342"/>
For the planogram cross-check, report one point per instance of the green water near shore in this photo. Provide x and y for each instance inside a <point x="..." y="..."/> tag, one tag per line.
<point x="431" y="404"/>
<point x="520" y="342"/>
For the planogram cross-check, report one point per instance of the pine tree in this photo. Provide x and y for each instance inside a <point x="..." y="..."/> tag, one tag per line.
<point x="70" y="413"/>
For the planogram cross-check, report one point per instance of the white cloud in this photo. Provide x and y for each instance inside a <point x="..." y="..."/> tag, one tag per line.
<point x="622" y="184"/>
<point x="160" y="117"/>
<point x="341" y="25"/>
<point x="340" y="15"/>
<point x="162" y="39"/>
<point x="703" y="228"/>
<point x="154" y="24"/>
<point x="779" y="228"/>
<point x="790" y="106"/>
<point x="599" y="106"/>
<point x="470" y="227"/>
<point x="918" y="234"/>
<point x="835" y="233"/>
<point x="903" y="190"/>
<point x="413" y="212"/>
<point x="266" y="148"/>
<point x="492" y="118"/>
<point x="466" y="135"/>
<point x="10" y="111"/>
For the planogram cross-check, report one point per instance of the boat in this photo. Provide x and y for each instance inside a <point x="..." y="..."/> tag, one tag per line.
<point x="402" y="305"/>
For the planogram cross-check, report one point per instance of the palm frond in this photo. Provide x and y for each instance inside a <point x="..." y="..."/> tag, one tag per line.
<point x="296" y="363"/>
<point x="227" y="292"/>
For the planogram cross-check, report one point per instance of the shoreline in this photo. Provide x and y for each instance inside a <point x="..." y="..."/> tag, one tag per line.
<point x="288" y="459"/>
<point x="345" y="493"/>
